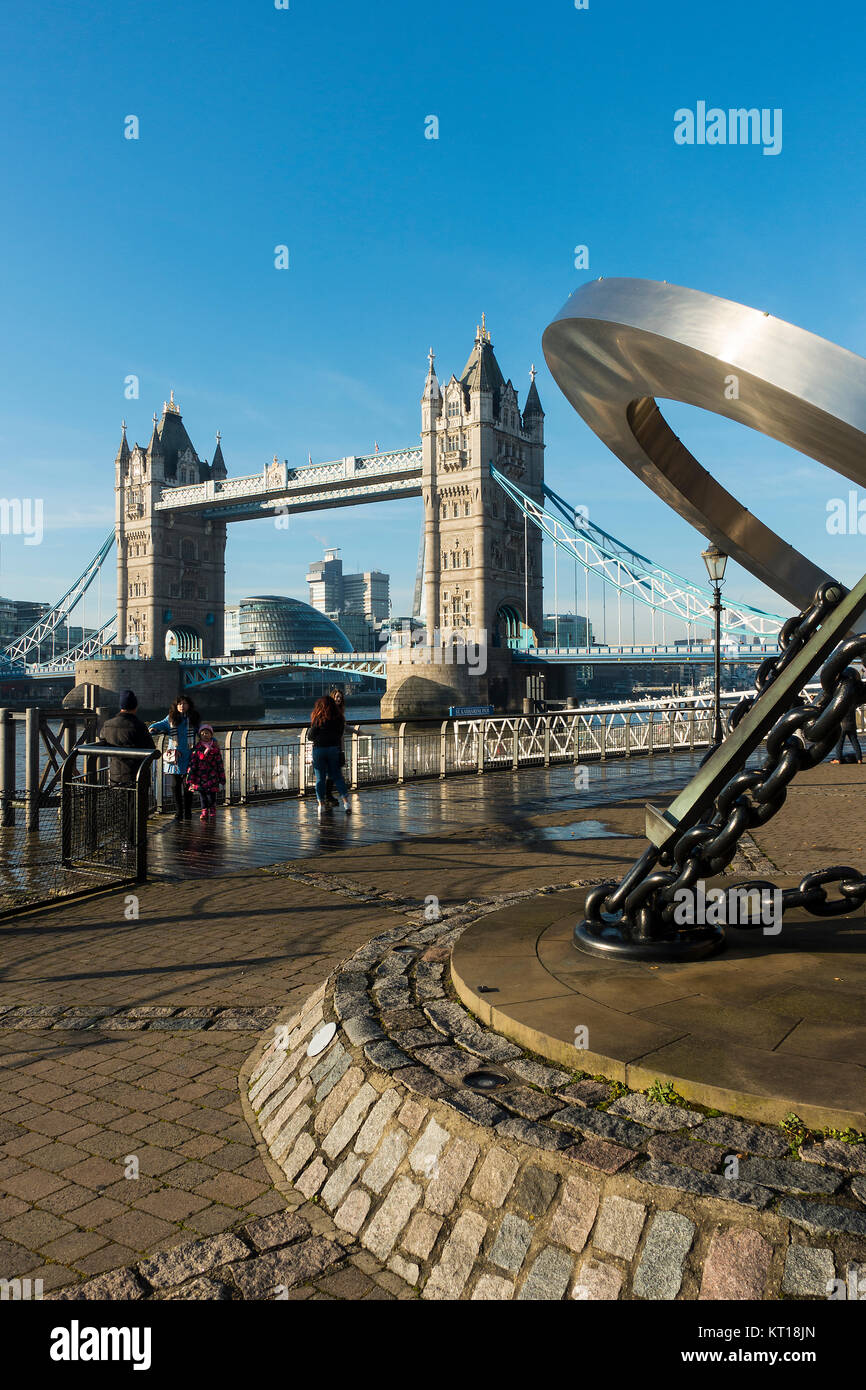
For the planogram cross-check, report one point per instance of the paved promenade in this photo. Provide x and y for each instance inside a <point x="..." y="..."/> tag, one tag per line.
<point x="123" y="1038"/>
<point x="242" y="838"/>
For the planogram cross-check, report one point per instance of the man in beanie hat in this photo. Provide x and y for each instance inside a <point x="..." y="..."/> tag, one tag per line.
<point x="125" y="730"/>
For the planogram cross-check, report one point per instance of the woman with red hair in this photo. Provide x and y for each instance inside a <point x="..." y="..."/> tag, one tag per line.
<point x="326" y="735"/>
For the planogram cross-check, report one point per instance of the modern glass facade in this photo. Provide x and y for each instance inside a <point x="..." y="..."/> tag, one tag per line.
<point x="572" y="628"/>
<point x="274" y="624"/>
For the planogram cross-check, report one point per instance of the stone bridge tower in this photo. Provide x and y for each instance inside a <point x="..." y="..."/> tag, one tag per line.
<point x="170" y="569"/>
<point x="482" y="568"/>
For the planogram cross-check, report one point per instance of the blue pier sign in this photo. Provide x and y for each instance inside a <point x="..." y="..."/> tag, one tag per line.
<point x="469" y="711"/>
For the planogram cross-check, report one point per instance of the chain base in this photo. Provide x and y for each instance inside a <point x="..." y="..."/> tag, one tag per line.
<point x="697" y="838"/>
<point x="608" y="941"/>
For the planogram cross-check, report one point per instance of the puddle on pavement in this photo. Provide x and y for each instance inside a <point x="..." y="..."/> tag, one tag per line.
<point x="578" y="830"/>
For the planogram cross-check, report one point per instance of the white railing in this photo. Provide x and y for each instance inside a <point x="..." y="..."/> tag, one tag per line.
<point x="603" y="651"/>
<point x="266" y="760"/>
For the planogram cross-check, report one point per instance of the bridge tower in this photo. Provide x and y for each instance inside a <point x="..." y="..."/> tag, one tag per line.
<point x="170" y="567"/>
<point x="482" y="568"/>
<point x="482" y="571"/>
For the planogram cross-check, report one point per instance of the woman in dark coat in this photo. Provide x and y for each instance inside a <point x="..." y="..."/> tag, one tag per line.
<point x="326" y="735"/>
<point x="340" y="701"/>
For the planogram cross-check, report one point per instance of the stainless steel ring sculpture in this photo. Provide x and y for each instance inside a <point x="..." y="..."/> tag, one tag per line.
<point x="614" y="347"/>
<point x="617" y="345"/>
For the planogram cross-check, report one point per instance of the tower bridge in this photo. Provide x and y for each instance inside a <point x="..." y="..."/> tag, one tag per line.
<point x="479" y="471"/>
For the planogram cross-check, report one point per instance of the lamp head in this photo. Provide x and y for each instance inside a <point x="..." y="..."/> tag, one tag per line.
<point x="715" y="561"/>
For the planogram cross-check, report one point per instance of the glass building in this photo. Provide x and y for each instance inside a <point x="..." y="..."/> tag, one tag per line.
<point x="572" y="629"/>
<point x="274" y="624"/>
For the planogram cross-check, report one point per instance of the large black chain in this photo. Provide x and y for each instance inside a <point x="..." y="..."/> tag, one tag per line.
<point x="642" y="904"/>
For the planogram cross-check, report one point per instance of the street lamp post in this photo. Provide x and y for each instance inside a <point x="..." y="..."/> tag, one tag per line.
<point x="715" y="561"/>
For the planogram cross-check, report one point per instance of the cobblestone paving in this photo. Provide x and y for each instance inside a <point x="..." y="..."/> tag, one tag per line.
<point x="291" y="1255"/>
<point x="391" y="986"/>
<point x="77" y="1116"/>
<point x="374" y="1123"/>
<point x="151" y="1018"/>
<point x="124" y="1038"/>
<point x="150" y="1071"/>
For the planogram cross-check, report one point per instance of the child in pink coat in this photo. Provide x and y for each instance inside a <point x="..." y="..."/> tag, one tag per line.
<point x="206" y="772"/>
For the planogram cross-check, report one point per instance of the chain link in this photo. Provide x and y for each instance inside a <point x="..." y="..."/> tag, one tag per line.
<point x="643" y="903"/>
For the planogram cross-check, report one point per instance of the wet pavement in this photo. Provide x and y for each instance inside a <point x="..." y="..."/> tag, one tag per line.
<point x="245" y="837"/>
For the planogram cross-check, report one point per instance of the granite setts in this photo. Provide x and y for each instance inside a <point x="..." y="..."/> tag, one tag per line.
<point x="37" y="1018"/>
<point x="264" y="1259"/>
<point x="548" y="1185"/>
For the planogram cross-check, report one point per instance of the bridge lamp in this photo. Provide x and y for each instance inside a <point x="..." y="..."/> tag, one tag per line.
<point x="715" y="561"/>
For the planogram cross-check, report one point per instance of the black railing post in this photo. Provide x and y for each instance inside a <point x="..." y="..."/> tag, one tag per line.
<point x="7" y="767"/>
<point x="717" y="666"/>
<point x="67" y="772"/>
<point x="31" y="767"/>
<point x="142" y="801"/>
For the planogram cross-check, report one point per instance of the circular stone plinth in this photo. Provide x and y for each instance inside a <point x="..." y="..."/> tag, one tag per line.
<point x="777" y="1024"/>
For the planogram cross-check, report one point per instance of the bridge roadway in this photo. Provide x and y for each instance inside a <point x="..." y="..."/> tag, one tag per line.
<point x="372" y="664"/>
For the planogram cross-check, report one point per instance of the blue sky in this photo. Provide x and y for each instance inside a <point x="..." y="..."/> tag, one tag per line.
<point x="261" y="126"/>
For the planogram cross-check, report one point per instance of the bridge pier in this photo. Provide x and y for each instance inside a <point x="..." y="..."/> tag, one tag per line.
<point x="420" y="687"/>
<point x="155" y="682"/>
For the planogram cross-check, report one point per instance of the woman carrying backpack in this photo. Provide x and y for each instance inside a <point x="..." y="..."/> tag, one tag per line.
<point x="340" y="701"/>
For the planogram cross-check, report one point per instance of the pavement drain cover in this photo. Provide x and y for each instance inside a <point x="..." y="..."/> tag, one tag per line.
<point x="485" y="1080"/>
<point x="320" y="1039"/>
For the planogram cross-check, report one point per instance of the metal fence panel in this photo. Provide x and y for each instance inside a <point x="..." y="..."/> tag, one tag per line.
<point x="101" y="835"/>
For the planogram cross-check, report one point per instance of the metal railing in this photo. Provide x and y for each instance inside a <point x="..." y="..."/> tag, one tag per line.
<point x="92" y="834"/>
<point x="275" y="760"/>
<point x="30" y="765"/>
<point x="103" y="814"/>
